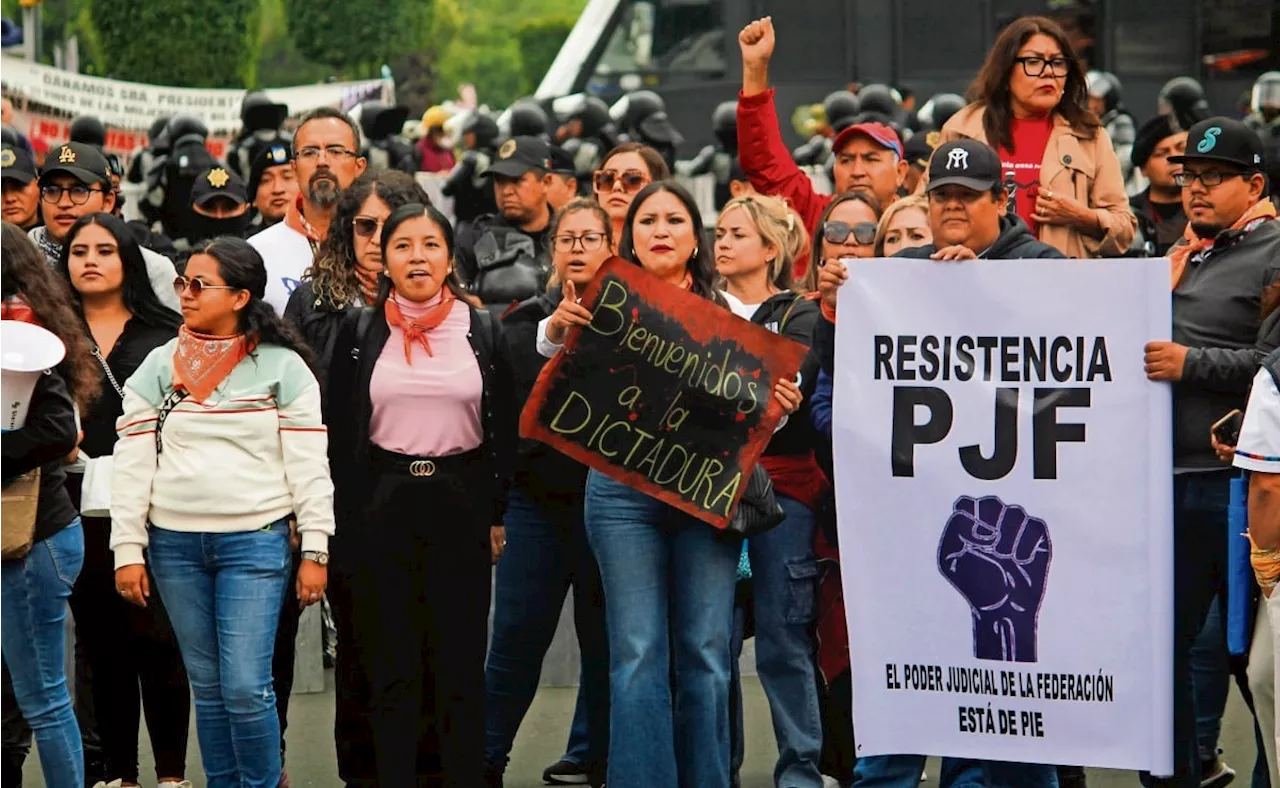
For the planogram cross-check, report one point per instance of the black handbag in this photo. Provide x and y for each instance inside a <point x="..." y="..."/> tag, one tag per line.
<point x="758" y="508"/>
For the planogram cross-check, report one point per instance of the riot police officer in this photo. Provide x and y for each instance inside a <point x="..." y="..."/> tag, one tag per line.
<point x="880" y="104"/>
<point x="526" y="118"/>
<point x="1182" y="99"/>
<point x="187" y="160"/>
<point x="473" y="195"/>
<point x="718" y="157"/>
<point x="839" y="109"/>
<point x="938" y="110"/>
<point x="586" y="134"/>
<point x="385" y="147"/>
<point x="642" y="117"/>
<point x="1264" y="118"/>
<point x="260" y="125"/>
<point x="1106" y="102"/>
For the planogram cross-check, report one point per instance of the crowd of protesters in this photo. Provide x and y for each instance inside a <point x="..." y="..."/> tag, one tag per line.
<point x="327" y="411"/>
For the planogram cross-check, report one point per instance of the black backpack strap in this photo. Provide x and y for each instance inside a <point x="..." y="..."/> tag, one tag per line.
<point x="363" y="321"/>
<point x="787" y="314"/>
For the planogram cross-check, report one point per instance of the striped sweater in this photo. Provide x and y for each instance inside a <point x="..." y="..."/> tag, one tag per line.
<point x="255" y="452"/>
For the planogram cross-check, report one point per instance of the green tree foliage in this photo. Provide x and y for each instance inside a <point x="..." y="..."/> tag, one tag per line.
<point x="353" y="37"/>
<point x="187" y="43"/>
<point x="540" y="41"/>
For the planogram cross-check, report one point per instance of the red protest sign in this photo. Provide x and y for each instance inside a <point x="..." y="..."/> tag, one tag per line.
<point x="663" y="391"/>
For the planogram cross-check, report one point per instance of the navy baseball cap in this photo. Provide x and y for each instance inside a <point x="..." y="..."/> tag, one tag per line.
<point x="18" y="164"/>
<point x="518" y="155"/>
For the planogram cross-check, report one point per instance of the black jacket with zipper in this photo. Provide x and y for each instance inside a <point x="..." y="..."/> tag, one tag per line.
<point x="318" y="323"/>
<point x="793" y="316"/>
<point x="43" y="442"/>
<point x="348" y="409"/>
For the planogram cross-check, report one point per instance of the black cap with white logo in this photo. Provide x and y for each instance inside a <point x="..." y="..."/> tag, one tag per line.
<point x="966" y="163"/>
<point x="1225" y="140"/>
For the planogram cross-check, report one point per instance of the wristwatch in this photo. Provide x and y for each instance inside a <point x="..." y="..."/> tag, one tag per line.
<point x="314" y="555"/>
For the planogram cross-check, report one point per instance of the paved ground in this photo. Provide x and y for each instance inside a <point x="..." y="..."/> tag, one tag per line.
<point x="541" y="741"/>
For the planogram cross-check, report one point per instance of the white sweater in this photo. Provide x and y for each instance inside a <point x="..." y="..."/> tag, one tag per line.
<point x="255" y="452"/>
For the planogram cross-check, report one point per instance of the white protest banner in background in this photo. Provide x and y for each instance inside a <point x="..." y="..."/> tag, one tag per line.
<point x="1004" y="492"/>
<point x="133" y="105"/>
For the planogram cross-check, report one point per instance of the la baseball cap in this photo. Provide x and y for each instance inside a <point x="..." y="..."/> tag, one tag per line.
<point x="878" y="132"/>
<point x="218" y="183"/>
<point x="83" y="162"/>
<point x="968" y="163"/>
<point x="1225" y="140"/>
<point x="18" y="164"/>
<point x="518" y="155"/>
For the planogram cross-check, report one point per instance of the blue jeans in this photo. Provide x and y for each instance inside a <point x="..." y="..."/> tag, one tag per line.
<point x="547" y="554"/>
<point x="1210" y="680"/>
<point x="903" y="771"/>
<point x="785" y="575"/>
<point x="578" y="748"/>
<point x="33" y="608"/>
<point x="668" y="584"/>
<point x="223" y="592"/>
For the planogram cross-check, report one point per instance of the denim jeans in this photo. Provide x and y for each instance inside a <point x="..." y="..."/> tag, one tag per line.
<point x="33" y="615"/>
<point x="785" y="574"/>
<point x="903" y="771"/>
<point x="668" y="584"/>
<point x="223" y="592"/>
<point x="578" y="748"/>
<point x="1210" y="680"/>
<point x="547" y="554"/>
<point x="1199" y="561"/>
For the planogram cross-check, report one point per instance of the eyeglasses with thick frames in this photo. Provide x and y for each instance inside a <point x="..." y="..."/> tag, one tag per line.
<point x="196" y="286"/>
<point x="1035" y="66"/>
<point x="632" y="180"/>
<point x="79" y="193"/>
<point x="366" y="226"/>
<point x="590" y="242"/>
<point x="1209" y="178"/>
<point x="864" y="233"/>
<point x="330" y="152"/>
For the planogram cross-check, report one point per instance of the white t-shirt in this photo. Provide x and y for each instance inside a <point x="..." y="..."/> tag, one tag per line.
<point x="1259" y="446"/>
<point x="287" y="254"/>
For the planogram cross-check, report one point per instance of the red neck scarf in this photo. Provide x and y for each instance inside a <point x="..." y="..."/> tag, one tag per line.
<point x="201" y="362"/>
<point x="416" y="328"/>
<point x="1261" y="211"/>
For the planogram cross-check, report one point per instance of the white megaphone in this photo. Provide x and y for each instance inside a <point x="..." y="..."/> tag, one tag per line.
<point x="26" y="351"/>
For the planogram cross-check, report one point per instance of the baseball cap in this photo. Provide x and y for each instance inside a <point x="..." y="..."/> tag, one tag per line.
<point x="18" y="164"/>
<point x="275" y="154"/>
<point x="968" y="163"/>
<point x="561" y="161"/>
<point x="919" y="148"/>
<point x="1225" y="140"/>
<point x="518" y="155"/>
<point x="83" y="162"/>
<point x="1149" y="136"/>
<point x="881" y="133"/>
<point x="215" y="183"/>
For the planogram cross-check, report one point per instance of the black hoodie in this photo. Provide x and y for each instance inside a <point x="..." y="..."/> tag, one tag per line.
<point x="793" y="316"/>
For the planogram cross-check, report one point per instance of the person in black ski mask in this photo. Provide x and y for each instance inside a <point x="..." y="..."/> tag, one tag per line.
<point x="219" y="206"/>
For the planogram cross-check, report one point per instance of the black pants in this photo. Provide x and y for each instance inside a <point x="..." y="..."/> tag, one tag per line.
<point x="286" y="649"/>
<point x="126" y="649"/>
<point x="419" y="602"/>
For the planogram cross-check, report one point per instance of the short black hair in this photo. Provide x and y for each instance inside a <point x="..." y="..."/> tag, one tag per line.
<point x="320" y="113"/>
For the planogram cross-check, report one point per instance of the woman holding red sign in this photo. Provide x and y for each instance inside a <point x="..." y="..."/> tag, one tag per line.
<point x="668" y="578"/>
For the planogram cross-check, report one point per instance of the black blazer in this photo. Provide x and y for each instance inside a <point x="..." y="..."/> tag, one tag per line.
<point x="348" y="409"/>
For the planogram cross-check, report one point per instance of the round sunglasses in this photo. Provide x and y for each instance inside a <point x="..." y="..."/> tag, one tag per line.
<point x="196" y="286"/>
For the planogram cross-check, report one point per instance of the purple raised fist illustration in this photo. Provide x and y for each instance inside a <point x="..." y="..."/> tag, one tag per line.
<point x="997" y="557"/>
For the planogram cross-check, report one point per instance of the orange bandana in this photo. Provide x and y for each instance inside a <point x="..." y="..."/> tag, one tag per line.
<point x="1181" y="253"/>
<point x="294" y="219"/>
<point x="201" y="363"/>
<point x="415" y="329"/>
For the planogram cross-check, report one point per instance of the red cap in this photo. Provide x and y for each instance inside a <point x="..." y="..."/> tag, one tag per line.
<point x="885" y="135"/>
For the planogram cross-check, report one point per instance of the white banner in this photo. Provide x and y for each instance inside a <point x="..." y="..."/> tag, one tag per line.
<point x="132" y="105"/>
<point x="1004" y="490"/>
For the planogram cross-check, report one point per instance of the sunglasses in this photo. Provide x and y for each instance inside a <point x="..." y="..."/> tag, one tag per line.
<point x="196" y="286"/>
<point x="365" y="226"/>
<point x="864" y="233"/>
<point x="632" y="180"/>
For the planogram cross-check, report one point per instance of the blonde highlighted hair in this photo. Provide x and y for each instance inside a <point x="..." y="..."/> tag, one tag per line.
<point x="781" y="231"/>
<point x="576" y="205"/>
<point x="919" y="202"/>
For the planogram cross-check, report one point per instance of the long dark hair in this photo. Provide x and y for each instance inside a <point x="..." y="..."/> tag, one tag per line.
<point x="241" y="267"/>
<point x="403" y="214"/>
<point x="139" y="296"/>
<point x="990" y="88"/>
<point x="702" y="264"/>
<point x="26" y="273"/>
<point x="333" y="275"/>
<point x="657" y="166"/>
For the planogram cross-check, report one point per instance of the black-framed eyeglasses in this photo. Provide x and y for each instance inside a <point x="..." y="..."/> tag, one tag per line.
<point x="79" y="193"/>
<point x="591" y="242"/>
<point x="864" y="233"/>
<point x="331" y="152"/>
<point x="197" y="286"/>
<point x="632" y="180"/>
<point x="366" y="226"/>
<point x="1035" y="66"/>
<point x="1209" y="178"/>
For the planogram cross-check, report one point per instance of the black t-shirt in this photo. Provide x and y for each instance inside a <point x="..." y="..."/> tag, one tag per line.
<point x="135" y="343"/>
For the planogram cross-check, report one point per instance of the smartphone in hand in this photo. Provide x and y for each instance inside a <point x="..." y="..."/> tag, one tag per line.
<point x="1227" y="428"/>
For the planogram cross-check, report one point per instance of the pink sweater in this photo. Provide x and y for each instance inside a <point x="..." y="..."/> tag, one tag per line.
<point x="432" y="407"/>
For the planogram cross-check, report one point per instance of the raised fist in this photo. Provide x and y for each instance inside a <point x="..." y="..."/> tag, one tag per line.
<point x="997" y="557"/>
<point x="756" y="42"/>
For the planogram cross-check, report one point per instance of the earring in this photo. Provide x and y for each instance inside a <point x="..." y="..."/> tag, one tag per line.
<point x="694" y="256"/>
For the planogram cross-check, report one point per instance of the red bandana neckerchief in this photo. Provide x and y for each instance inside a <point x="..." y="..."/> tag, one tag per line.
<point x="1181" y="253"/>
<point x="415" y="329"/>
<point x="201" y="362"/>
